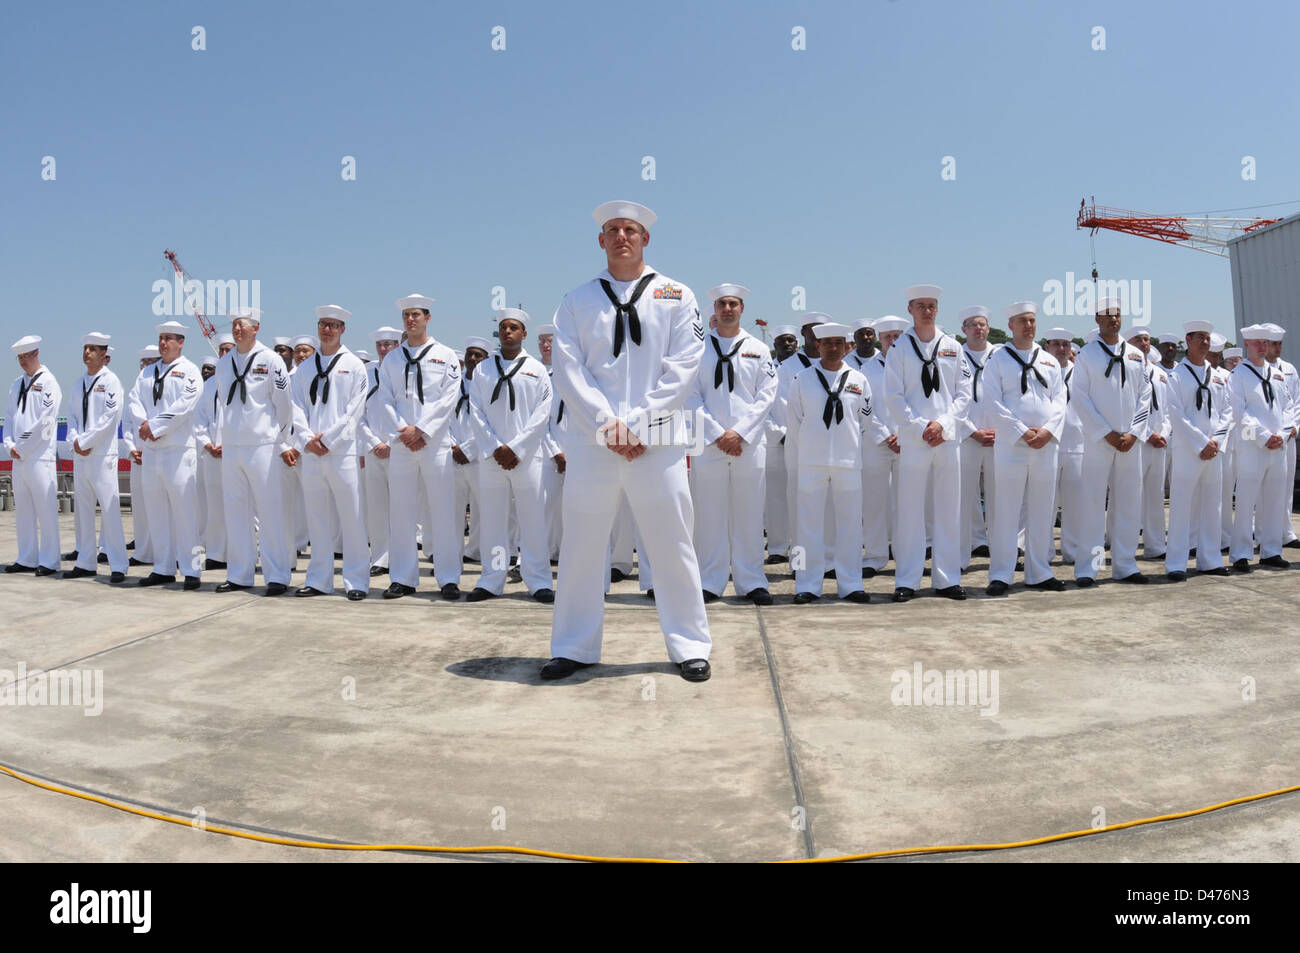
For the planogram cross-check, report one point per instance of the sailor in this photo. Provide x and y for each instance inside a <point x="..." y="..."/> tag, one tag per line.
<point x="1111" y="393"/>
<point x="1069" y="456"/>
<point x="1292" y="387"/>
<point x="864" y="344"/>
<point x="207" y="439"/>
<point x="1155" y="448"/>
<point x="1261" y="417"/>
<point x="978" y="431"/>
<point x="295" y="501"/>
<point x="1167" y="347"/>
<point x="776" y="506"/>
<point x="786" y="371"/>
<point x="510" y="403"/>
<point x="419" y="385"/>
<point x="304" y="346"/>
<point x="92" y="437"/>
<point x="1232" y="356"/>
<point x="377" y="455"/>
<point x="141" y="542"/>
<point x="729" y="406"/>
<point x="30" y="437"/>
<point x="164" y="398"/>
<point x="1200" y="414"/>
<point x="627" y="347"/>
<point x="464" y="452"/>
<point x="830" y="405"/>
<point x="1026" y="397"/>
<point x="552" y="451"/>
<point x="284" y="348"/>
<point x="928" y="391"/>
<point x="329" y="397"/>
<point x="254" y="414"/>
<point x="880" y="453"/>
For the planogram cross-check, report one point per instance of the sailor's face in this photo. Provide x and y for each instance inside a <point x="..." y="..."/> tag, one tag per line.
<point x="1109" y="321"/>
<point x="244" y="332"/>
<point x="511" y="333"/>
<point x="414" y="321"/>
<point x="924" y="309"/>
<point x="1022" y="328"/>
<point x="785" y="344"/>
<point x="1059" y="349"/>
<point x="207" y="370"/>
<point x="544" y="346"/>
<point x="169" y="346"/>
<point x="833" y="349"/>
<point x="224" y="349"/>
<point x="728" y="310"/>
<point x="92" y="355"/>
<point x="864" y="338"/>
<point x="623" y="239"/>
<point x="383" y="347"/>
<point x="1198" y="346"/>
<point x="30" y="362"/>
<point x="887" y="340"/>
<point x="474" y="356"/>
<point x="301" y="352"/>
<point x="977" y="331"/>
<point x="330" y="331"/>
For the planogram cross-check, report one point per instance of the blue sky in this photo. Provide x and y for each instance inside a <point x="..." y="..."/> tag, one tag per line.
<point x="775" y="168"/>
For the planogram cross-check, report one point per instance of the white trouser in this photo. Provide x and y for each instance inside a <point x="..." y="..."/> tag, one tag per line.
<point x="331" y="484"/>
<point x="622" y="539"/>
<point x="295" y="507"/>
<point x="421" y="482"/>
<point x="843" y="486"/>
<point x="1289" y="448"/>
<point x="879" y="504"/>
<point x="977" y="512"/>
<point x="496" y="488"/>
<point x="655" y="485"/>
<point x="1154" y="461"/>
<point x="553" y="492"/>
<point x="1105" y="467"/>
<point x="776" y="513"/>
<point x="213" y="530"/>
<point x="921" y="467"/>
<point x="94" y="478"/>
<point x="467" y="498"/>
<point x="201" y="490"/>
<point x="1229" y="462"/>
<point x="1026" y="484"/>
<point x="36" y="502"/>
<point x="376" y="479"/>
<point x="728" y="494"/>
<point x="1195" y="495"/>
<point x="169" y="475"/>
<point x="140" y="515"/>
<point x="1262" y="497"/>
<point x="1069" y="495"/>
<point x="251" y="485"/>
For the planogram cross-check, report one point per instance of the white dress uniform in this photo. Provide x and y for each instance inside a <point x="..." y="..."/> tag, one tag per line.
<point x="776" y="507"/>
<point x="734" y="390"/>
<point x="911" y="407"/>
<point x="552" y="478"/>
<point x="1109" y="390"/>
<point x="1069" y="468"/>
<point x="329" y="397"/>
<point x="255" y="413"/>
<point x="292" y="498"/>
<point x="1291" y="384"/>
<point x="207" y="430"/>
<point x="460" y="433"/>
<point x="1259" y="410"/>
<point x="92" y="422"/>
<point x="1199" y="410"/>
<point x="635" y="362"/>
<point x="1024" y="389"/>
<point x="139" y="503"/>
<point x="419" y="387"/>
<point x="830" y="410"/>
<point x="879" y="472"/>
<point x="166" y="395"/>
<point x="1228" y="465"/>
<point x="31" y="427"/>
<point x="1155" y="461"/>
<point x="786" y="372"/>
<point x="977" y="460"/>
<point x="376" y="471"/>
<point x="510" y="404"/>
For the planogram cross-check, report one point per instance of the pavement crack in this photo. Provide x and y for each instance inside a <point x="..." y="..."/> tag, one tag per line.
<point x="787" y="737"/>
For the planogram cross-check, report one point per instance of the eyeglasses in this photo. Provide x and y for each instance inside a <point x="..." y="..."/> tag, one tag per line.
<point x="330" y="325"/>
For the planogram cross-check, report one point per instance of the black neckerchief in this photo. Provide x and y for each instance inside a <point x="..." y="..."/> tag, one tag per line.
<point x="239" y="380"/>
<point x="1268" y="386"/>
<point x="157" y="385"/>
<point x="1202" y="385"/>
<point x="1114" y="359"/>
<point x="506" y="378"/>
<point x="323" y="375"/>
<point x="929" y="367"/>
<point x="1068" y="375"/>
<point x="23" y="390"/>
<point x="463" y="400"/>
<point x="834" y="406"/>
<point x="85" y="399"/>
<point x="626" y="310"/>
<point x="419" y="372"/>
<point x="979" y="369"/>
<point x="724" y="360"/>
<point x="1026" y="368"/>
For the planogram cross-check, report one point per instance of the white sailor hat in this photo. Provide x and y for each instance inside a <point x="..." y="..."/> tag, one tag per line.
<point x="282" y="342"/>
<point x="97" y="338"/>
<point x="1275" y="331"/>
<point x="460" y="354"/>
<point x="415" y="301"/>
<point x="861" y="323"/>
<point x="332" y="311"/>
<point x="784" y="329"/>
<point x="1254" y="332"/>
<point x="1021" y="307"/>
<point x="1058" y="334"/>
<point x="209" y="360"/>
<point x="728" y="291"/>
<point x="1105" y="304"/>
<point x="1232" y="352"/>
<point x="891" y="322"/>
<point x="1191" y="327"/>
<point x="24" y="344"/>
<point x="621" y="209"/>
<point x="1170" y="338"/>
<point x="225" y="337"/>
<point x="924" y="291"/>
<point x="814" y="317"/>
<point x="364" y="356"/>
<point x="1217" y="341"/>
<point x="546" y="329"/>
<point x="172" y="327"/>
<point x="832" y="330"/>
<point x="1092" y="335"/>
<point x="483" y="344"/>
<point x="148" y="352"/>
<point x="304" y="339"/>
<point x="974" y="311"/>
<point x="1133" y="330"/>
<point x="1074" y="348"/>
<point x="385" y="334"/>
<point x="518" y="314"/>
<point x="251" y="315"/>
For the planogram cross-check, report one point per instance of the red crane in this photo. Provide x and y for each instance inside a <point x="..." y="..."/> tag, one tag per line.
<point x="1201" y="233"/>
<point x="206" y="326"/>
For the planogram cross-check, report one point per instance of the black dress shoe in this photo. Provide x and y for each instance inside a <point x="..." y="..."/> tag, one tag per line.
<point x="308" y="591"/>
<point x="951" y="592"/>
<point x="562" y="668"/>
<point x="1217" y="571"/>
<point x="868" y="572"/>
<point x="450" y="592"/>
<point x="775" y="558"/>
<point x="191" y="582"/>
<point x="156" y="579"/>
<point x="396" y="590"/>
<point x="102" y="558"/>
<point x="44" y="571"/>
<point x="980" y="551"/>
<point x="117" y="577"/>
<point x="356" y="595"/>
<point x="996" y="588"/>
<point x="19" y="567"/>
<point x="214" y="564"/>
<point x="650" y="594"/>
<point x="229" y="586"/>
<point x="338" y="555"/>
<point x="1048" y="585"/>
<point x="859" y="597"/>
<point x="696" y="670"/>
<point x="137" y="562"/>
<point x="903" y="594"/>
<point x="1277" y="562"/>
<point x="829" y="574"/>
<point x="546" y="596"/>
<point x="1176" y="576"/>
<point x="1136" y="578"/>
<point x="1192" y="553"/>
<point x="72" y="556"/>
<point x="276" y="588"/>
<point x="1085" y="582"/>
<point x="1242" y="565"/>
<point x="131" y="545"/>
<point x="803" y="598"/>
<point x="1294" y="544"/>
<point x="709" y="596"/>
<point x="479" y="594"/>
<point x="378" y="570"/>
<point x="616" y="575"/>
<point x="760" y="597"/>
<point x="78" y="573"/>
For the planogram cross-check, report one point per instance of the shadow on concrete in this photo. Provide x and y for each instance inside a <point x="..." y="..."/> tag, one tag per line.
<point x="524" y="670"/>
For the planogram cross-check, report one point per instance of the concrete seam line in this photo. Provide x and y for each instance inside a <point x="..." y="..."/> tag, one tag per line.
<point x="787" y="737"/>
